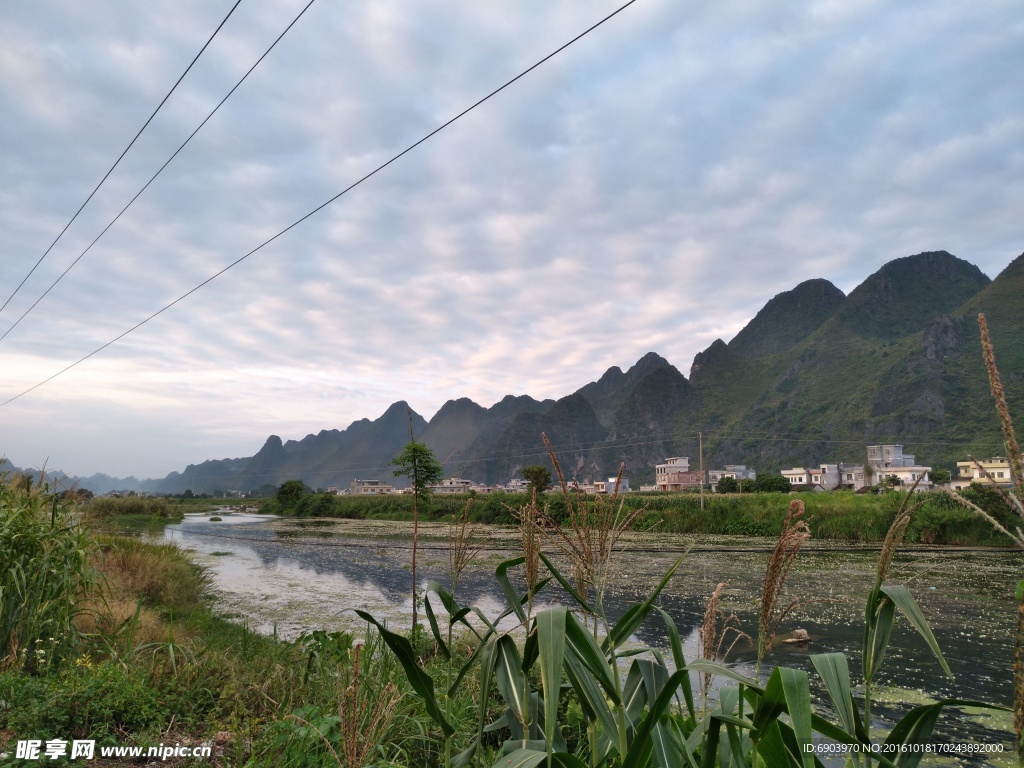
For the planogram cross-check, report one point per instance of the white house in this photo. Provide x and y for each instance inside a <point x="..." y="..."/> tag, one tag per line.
<point x="452" y="485"/>
<point x="369" y="487"/>
<point x="967" y="472"/>
<point x="890" y="461"/>
<point x="799" y="478"/>
<point x="737" y="472"/>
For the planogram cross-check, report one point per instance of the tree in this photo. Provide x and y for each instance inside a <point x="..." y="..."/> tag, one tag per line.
<point x="727" y="485"/>
<point x="773" y="484"/>
<point x="941" y="476"/>
<point x="539" y="478"/>
<point x="290" y="492"/>
<point x="420" y="465"/>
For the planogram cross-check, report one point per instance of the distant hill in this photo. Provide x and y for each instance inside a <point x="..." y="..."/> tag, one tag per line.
<point x="814" y="376"/>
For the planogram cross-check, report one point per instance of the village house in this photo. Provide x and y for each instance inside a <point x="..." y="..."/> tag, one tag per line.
<point x="675" y="475"/>
<point x="967" y="472"/>
<point x="738" y="472"/>
<point x="369" y="488"/>
<point x="452" y="485"/>
<point x="890" y="461"/>
<point x="799" y="478"/>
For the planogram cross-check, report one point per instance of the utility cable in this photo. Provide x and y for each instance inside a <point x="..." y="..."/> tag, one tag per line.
<point x="320" y="207"/>
<point x="116" y="162"/>
<point x="159" y="171"/>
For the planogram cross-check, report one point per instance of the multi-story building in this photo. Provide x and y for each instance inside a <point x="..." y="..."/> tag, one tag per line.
<point x="967" y="472"/>
<point x="799" y="477"/>
<point x="887" y="461"/>
<point x="369" y="487"/>
<point x="737" y="472"/>
<point x="675" y="475"/>
<point x="452" y="485"/>
<point x="852" y="476"/>
<point x="889" y="456"/>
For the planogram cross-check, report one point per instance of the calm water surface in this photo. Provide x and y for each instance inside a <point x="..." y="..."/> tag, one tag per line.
<point x="291" y="576"/>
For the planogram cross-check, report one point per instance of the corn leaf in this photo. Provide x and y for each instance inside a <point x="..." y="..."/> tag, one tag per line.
<point x="642" y="746"/>
<point x="901" y="596"/>
<point x="834" y="669"/>
<point x="418" y="679"/>
<point x="678" y="659"/>
<point x="635" y="616"/>
<point x="501" y="575"/>
<point x="788" y="690"/>
<point x="582" y="644"/>
<point x="566" y="585"/>
<point x="551" y="642"/>
<point x="434" y="629"/>
<point x="511" y="680"/>
<point x="917" y="725"/>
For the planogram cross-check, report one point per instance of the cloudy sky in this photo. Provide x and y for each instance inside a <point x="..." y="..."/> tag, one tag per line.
<point x="649" y="188"/>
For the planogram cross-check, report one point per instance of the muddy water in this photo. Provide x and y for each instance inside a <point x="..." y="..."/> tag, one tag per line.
<point x="295" y="575"/>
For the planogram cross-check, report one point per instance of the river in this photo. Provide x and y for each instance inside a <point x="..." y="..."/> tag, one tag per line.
<point x="291" y="576"/>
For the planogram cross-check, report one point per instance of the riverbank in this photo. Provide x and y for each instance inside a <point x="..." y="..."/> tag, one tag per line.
<point x="153" y="662"/>
<point x="838" y="516"/>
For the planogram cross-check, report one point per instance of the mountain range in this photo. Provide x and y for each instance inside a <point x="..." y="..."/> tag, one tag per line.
<point x="814" y="376"/>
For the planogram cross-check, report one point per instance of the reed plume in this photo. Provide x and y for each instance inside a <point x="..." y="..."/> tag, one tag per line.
<point x="996" y="385"/>
<point x="714" y="631"/>
<point x="594" y="528"/>
<point x="896" y="535"/>
<point x="463" y="546"/>
<point x="794" y="533"/>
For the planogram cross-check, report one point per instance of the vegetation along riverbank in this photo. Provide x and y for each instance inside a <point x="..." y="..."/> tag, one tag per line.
<point x="835" y="516"/>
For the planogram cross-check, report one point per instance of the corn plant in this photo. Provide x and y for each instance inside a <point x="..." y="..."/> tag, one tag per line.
<point x="44" y="572"/>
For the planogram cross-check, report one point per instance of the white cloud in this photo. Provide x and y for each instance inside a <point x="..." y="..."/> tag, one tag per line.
<point x="648" y="189"/>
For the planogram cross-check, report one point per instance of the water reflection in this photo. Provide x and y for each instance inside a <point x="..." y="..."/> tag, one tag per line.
<point x="297" y="575"/>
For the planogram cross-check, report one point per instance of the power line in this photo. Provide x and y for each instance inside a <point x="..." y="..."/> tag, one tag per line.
<point x="321" y="206"/>
<point x="159" y="171"/>
<point x="116" y="162"/>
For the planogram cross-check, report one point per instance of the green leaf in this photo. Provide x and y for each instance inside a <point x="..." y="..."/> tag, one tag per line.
<point x="678" y="659"/>
<point x="640" y="749"/>
<point x="877" y="631"/>
<point x="635" y="616"/>
<point x="566" y="585"/>
<point x="634" y="693"/>
<point x="582" y="644"/>
<point x="834" y="669"/>
<point x="511" y="680"/>
<point x="591" y="695"/>
<point x="434" y="628"/>
<point x="901" y="596"/>
<point x="717" y="668"/>
<point x="522" y="758"/>
<point x="917" y="725"/>
<point x="501" y="574"/>
<point x="551" y="640"/>
<point x="418" y="679"/>
<point x="788" y="690"/>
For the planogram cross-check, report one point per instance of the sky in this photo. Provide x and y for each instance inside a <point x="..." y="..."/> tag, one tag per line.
<point x="649" y="188"/>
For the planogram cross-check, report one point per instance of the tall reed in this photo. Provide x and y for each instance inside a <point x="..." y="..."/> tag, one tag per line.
<point x="794" y="533"/>
<point x="1015" y="501"/>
